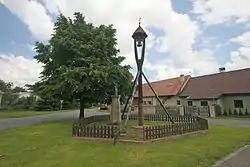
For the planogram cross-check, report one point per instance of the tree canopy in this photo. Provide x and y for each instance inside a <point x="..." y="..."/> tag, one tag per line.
<point x="10" y="98"/>
<point x="80" y="62"/>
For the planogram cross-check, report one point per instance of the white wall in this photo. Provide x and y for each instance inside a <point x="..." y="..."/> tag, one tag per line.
<point x="150" y="108"/>
<point x="197" y="103"/>
<point x="225" y="102"/>
<point x="228" y="102"/>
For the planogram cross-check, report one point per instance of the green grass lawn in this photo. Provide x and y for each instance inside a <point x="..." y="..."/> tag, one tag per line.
<point x="16" y="114"/>
<point x="51" y="144"/>
<point x="132" y="123"/>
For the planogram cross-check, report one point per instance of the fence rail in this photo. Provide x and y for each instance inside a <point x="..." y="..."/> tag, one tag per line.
<point x="95" y="131"/>
<point x="164" y="117"/>
<point x="184" y="124"/>
<point x="160" y="131"/>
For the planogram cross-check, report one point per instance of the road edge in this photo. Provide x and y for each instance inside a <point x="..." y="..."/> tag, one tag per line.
<point x="218" y="163"/>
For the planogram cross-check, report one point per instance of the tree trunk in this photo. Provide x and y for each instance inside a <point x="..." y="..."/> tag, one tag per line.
<point x="81" y="116"/>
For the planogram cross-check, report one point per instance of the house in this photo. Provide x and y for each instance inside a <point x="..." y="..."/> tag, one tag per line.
<point x="167" y="90"/>
<point x="228" y="90"/>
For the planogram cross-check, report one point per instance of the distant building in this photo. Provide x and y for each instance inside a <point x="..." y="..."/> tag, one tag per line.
<point x="229" y="90"/>
<point x="167" y="90"/>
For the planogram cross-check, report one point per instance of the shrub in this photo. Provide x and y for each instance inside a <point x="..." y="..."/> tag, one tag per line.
<point x="246" y="113"/>
<point x="240" y="112"/>
<point x="225" y="112"/>
<point x="235" y="112"/>
<point x="230" y="112"/>
<point x="46" y="105"/>
<point x="218" y="110"/>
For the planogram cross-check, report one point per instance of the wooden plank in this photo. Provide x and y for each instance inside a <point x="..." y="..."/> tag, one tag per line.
<point x="151" y="132"/>
<point x="109" y="134"/>
<point x="101" y="129"/>
<point x="144" y="133"/>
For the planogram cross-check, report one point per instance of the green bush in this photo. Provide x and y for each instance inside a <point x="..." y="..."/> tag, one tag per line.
<point x="70" y="105"/>
<point x="240" y="112"/>
<point x="55" y="104"/>
<point x="225" y="113"/>
<point x="235" y="112"/>
<point x="218" y="113"/>
<point x="246" y="113"/>
<point x="23" y="103"/>
<point x="47" y="105"/>
<point x="217" y="110"/>
<point x="230" y="112"/>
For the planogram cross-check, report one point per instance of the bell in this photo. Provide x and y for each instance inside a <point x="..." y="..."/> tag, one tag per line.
<point x="139" y="44"/>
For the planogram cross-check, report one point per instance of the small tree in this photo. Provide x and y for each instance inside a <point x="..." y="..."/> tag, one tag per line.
<point x="246" y="113"/>
<point x="240" y="112"/>
<point x="225" y="112"/>
<point x="217" y="110"/>
<point x="235" y="112"/>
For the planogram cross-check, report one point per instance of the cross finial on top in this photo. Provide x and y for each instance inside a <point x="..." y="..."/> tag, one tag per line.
<point x="139" y="21"/>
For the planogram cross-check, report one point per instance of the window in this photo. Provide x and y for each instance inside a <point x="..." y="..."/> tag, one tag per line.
<point x="238" y="104"/>
<point x="149" y="102"/>
<point x="144" y="102"/>
<point x="190" y="103"/>
<point x="204" y="103"/>
<point x="178" y="102"/>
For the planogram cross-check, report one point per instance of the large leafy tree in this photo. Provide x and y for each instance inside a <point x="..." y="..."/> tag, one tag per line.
<point x="81" y="62"/>
<point x="19" y="89"/>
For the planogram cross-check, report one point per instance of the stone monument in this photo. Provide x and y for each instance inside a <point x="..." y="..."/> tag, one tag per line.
<point x="212" y="109"/>
<point x="115" y="108"/>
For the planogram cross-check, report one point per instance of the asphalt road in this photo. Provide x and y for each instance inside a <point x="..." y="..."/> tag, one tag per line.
<point x="239" y="158"/>
<point x="229" y="122"/>
<point x="7" y="123"/>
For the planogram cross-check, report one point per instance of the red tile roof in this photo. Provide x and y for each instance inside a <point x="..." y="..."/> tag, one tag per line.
<point x="214" y="85"/>
<point x="164" y="87"/>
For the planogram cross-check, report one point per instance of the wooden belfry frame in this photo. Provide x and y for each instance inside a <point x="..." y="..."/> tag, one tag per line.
<point x="139" y="37"/>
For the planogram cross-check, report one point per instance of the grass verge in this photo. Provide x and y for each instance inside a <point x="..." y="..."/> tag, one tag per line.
<point x="17" y="114"/>
<point x="51" y="144"/>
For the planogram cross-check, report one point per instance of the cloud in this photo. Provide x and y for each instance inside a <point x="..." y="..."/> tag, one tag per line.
<point x="165" y="69"/>
<point x="243" y="39"/>
<point x="33" y="14"/>
<point x="230" y="12"/>
<point x="19" y="70"/>
<point x="221" y="11"/>
<point x="180" y="32"/>
<point x="168" y="68"/>
<point x="240" y="58"/>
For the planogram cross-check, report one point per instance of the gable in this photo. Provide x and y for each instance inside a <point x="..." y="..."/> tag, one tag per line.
<point x="168" y="87"/>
